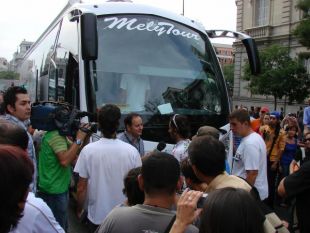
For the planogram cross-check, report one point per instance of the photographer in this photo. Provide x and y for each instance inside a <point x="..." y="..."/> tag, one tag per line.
<point x="226" y="210"/>
<point x="55" y="157"/>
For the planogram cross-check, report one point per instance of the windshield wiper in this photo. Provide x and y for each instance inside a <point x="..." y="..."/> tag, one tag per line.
<point x="207" y="67"/>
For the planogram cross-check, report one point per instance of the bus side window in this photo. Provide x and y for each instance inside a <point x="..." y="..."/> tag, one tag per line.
<point x="72" y="82"/>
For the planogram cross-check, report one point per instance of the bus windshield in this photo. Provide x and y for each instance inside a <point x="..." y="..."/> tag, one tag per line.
<point x="152" y="65"/>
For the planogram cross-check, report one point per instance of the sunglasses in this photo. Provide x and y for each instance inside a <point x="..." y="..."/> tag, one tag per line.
<point x="174" y="122"/>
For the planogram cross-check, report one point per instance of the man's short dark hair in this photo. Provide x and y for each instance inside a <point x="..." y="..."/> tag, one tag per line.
<point x="240" y="115"/>
<point x="108" y="119"/>
<point x="131" y="187"/>
<point x="9" y="97"/>
<point x="13" y="134"/>
<point x="129" y="117"/>
<point x="231" y="210"/>
<point x="16" y="171"/>
<point x="208" y="155"/>
<point x="160" y="172"/>
<point x="188" y="172"/>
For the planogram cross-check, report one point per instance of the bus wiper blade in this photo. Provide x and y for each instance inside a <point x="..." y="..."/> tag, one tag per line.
<point x="207" y="66"/>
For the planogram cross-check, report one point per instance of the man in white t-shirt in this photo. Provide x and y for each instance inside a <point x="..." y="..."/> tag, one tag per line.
<point x="102" y="166"/>
<point x="135" y="91"/>
<point x="250" y="159"/>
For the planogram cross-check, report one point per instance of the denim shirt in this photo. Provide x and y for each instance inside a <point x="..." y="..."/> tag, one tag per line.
<point x="30" y="149"/>
<point x="138" y="144"/>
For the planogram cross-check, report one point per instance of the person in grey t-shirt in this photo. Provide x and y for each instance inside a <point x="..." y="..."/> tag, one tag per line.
<point x="160" y="179"/>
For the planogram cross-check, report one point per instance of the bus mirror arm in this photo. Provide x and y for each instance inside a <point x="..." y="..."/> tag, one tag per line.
<point x="247" y="41"/>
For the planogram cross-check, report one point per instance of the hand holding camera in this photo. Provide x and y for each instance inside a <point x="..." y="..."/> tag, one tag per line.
<point x="187" y="210"/>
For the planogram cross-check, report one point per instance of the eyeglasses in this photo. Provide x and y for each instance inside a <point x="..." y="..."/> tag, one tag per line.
<point x="174" y="122"/>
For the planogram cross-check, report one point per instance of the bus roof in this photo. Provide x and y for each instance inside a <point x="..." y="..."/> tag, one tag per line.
<point x="106" y="8"/>
<point x="116" y="7"/>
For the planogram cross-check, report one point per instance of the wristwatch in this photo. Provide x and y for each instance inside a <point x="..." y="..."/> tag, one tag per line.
<point x="78" y="142"/>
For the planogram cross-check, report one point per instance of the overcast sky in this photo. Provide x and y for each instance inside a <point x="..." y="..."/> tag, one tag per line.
<point x="21" y="20"/>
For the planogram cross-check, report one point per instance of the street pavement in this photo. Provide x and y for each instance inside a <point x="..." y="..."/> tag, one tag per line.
<point x="75" y="226"/>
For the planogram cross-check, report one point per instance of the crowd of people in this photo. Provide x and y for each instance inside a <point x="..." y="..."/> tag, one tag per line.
<point x="217" y="181"/>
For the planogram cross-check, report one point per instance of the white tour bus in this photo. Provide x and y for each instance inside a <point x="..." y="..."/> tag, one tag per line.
<point x="141" y="58"/>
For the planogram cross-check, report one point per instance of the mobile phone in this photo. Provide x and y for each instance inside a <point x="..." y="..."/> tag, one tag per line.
<point x="202" y="200"/>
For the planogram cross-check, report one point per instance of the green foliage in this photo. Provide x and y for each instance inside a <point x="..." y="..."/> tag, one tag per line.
<point x="228" y="71"/>
<point x="302" y="31"/>
<point x="9" y="75"/>
<point x="280" y="76"/>
<point x="304" y="5"/>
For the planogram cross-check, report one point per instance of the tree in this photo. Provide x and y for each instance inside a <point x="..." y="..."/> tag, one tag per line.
<point x="281" y="76"/>
<point x="302" y="31"/>
<point x="9" y="75"/>
<point x="228" y="71"/>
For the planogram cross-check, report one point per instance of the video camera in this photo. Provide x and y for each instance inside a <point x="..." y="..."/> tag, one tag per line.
<point x="63" y="117"/>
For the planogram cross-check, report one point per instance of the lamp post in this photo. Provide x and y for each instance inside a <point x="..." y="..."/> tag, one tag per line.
<point x="183" y="7"/>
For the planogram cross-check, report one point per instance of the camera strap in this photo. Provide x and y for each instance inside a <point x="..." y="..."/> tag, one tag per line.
<point x="170" y="224"/>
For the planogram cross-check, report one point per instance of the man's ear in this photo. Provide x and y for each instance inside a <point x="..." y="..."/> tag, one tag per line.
<point x="10" y="108"/>
<point x="141" y="182"/>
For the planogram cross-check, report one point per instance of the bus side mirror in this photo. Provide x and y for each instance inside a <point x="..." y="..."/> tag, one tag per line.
<point x="247" y="41"/>
<point x="89" y="36"/>
<point x="252" y="52"/>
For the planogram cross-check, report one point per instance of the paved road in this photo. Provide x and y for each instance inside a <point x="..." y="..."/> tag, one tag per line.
<point x="74" y="225"/>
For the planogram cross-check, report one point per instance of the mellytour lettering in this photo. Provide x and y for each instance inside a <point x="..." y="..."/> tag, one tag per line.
<point x="160" y="28"/>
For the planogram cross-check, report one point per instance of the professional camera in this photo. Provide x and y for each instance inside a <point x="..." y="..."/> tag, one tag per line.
<point x="63" y="117"/>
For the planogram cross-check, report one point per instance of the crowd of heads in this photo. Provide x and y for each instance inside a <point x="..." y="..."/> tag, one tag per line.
<point x="160" y="172"/>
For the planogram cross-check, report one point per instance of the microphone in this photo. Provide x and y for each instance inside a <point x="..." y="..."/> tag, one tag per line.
<point x="160" y="146"/>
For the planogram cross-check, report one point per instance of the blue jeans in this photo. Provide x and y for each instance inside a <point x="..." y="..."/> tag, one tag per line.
<point x="59" y="206"/>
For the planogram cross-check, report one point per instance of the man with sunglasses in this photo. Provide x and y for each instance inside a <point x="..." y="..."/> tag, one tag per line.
<point x="297" y="185"/>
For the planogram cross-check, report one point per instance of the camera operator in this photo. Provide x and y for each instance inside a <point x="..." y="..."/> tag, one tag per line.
<point x="55" y="158"/>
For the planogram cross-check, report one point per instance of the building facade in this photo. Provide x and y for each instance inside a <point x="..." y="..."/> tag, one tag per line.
<point x="18" y="55"/>
<point x="268" y="22"/>
<point x="224" y="52"/>
<point x="4" y="65"/>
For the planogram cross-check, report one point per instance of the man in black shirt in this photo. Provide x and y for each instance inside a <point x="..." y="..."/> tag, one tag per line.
<point x="298" y="185"/>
